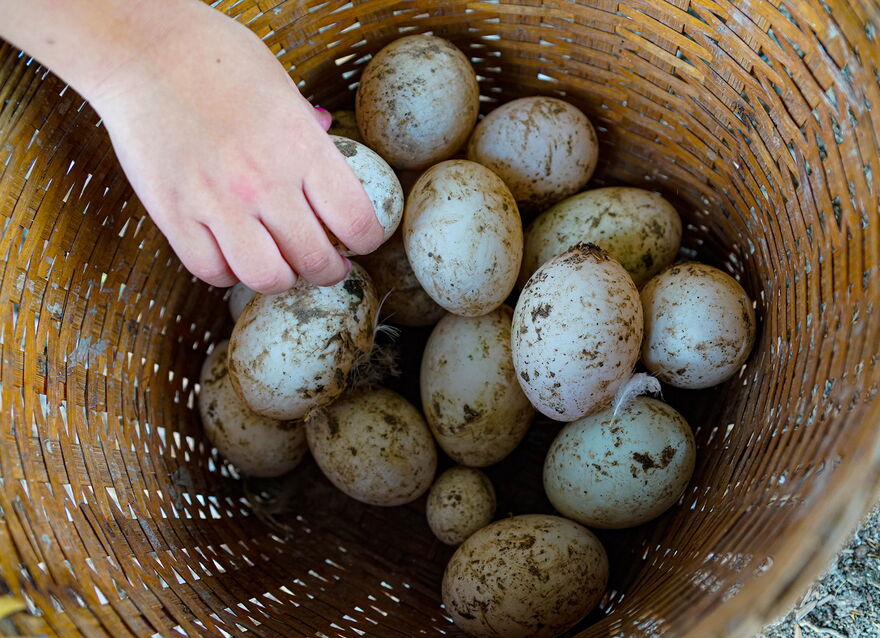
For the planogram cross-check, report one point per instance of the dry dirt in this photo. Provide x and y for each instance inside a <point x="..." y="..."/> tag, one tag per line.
<point x="845" y="602"/>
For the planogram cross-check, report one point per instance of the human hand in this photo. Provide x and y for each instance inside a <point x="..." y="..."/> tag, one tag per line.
<point x="232" y="163"/>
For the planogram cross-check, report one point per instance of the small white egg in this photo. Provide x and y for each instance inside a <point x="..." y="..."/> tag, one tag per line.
<point x="529" y="576"/>
<point x="461" y="501"/>
<point x="374" y="446"/>
<point x="612" y="472"/>
<point x="463" y="237"/>
<point x="256" y="445"/>
<point x="699" y="326"/>
<point x="543" y="148"/>
<point x="240" y="296"/>
<point x="640" y="229"/>
<point x="292" y="352"/>
<point x="417" y="101"/>
<point x="379" y="181"/>
<point x="470" y="394"/>
<point x="576" y="333"/>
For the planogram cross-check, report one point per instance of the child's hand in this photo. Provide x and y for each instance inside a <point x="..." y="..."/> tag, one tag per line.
<point x="231" y="162"/>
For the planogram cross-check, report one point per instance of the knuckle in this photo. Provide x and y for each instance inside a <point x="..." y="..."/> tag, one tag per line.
<point x="269" y="282"/>
<point x="314" y="262"/>
<point x="364" y="222"/>
<point x="364" y="229"/>
<point x="212" y="272"/>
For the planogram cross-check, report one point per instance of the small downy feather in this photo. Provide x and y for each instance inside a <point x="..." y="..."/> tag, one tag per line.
<point x="381" y="361"/>
<point x="640" y="383"/>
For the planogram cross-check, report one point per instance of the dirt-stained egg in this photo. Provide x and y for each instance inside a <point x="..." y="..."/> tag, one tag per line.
<point x="344" y="124"/>
<point x="699" y="326"/>
<point x="378" y="179"/>
<point x="544" y="149"/>
<point x="406" y="302"/>
<point x="463" y="237"/>
<point x="239" y="297"/>
<point x="417" y="101"/>
<point x="256" y="445"/>
<point x="614" y="471"/>
<point x="461" y="501"/>
<point x="374" y="446"/>
<point x="639" y="228"/>
<point x="471" y="398"/>
<point x="292" y="352"/>
<point x="576" y="333"/>
<point x="530" y="576"/>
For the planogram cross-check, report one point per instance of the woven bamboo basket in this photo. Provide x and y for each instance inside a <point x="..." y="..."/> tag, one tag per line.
<point x="758" y="119"/>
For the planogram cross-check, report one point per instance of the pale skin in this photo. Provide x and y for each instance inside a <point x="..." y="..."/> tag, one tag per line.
<point x="233" y="165"/>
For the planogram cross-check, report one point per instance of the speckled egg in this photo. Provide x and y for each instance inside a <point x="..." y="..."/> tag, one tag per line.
<point x="530" y="576"/>
<point x="612" y="472"/>
<point x="543" y="148"/>
<point x="256" y="445"/>
<point x="463" y="237"/>
<point x="576" y="332"/>
<point x="406" y="303"/>
<point x="640" y="229"/>
<point x="699" y="326"/>
<point x="379" y="181"/>
<point x="344" y="124"/>
<point x="417" y="101"/>
<point x="471" y="398"/>
<point x="460" y="502"/>
<point x="239" y="297"/>
<point x="292" y="352"/>
<point x="374" y="446"/>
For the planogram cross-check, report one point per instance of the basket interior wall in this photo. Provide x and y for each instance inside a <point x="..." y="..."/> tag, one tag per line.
<point x="754" y="118"/>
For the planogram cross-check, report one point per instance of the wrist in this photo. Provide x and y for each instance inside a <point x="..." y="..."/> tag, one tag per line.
<point x="94" y="45"/>
<point x="141" y="49"/>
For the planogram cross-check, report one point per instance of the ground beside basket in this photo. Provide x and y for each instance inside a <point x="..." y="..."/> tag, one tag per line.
<point x="845" y="602"/>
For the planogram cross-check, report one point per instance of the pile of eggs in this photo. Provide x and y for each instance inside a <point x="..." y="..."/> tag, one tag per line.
<point x="599" y="293"/>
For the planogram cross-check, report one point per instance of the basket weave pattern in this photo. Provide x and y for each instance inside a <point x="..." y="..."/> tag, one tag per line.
<point x="758" y="119"/>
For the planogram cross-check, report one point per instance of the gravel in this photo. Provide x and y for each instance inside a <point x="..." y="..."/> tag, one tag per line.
<point x="845" y="602"/>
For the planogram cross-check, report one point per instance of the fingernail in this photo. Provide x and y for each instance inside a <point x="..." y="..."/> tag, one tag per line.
<point x="350" y="266"/>
<point x="322" y="109"/>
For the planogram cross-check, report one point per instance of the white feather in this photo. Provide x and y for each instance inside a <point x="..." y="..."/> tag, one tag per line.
<point x="638" y="384"/>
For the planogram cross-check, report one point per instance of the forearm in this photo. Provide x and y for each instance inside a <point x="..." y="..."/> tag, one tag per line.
<point x="86" y="42"/>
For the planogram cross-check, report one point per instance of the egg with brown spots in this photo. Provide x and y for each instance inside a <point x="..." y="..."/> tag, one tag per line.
<point x="417" y="101"/>
<point x="463" y="237"/>
<point x="379" y="181"/>
<point x="544" y="149"/>
<point x="239" y="297"/>
<point x="640" y="229"/>
<point x="612" y="472"/>
<point x="461" y="501"/>
<point x="576" y="333"/>
<point x="256" y="445"/>
<point x="405" y="301"/>
<point x="472" y="400"/>
<point x="374" y="446"/>
<point x="292" y="352"/>
<point x="699" y="326"/>
<point x="530" y="576"/>
<point x="344" y="124"/>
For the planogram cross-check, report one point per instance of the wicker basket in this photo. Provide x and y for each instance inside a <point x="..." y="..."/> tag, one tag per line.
<point x="758" y="119"/>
